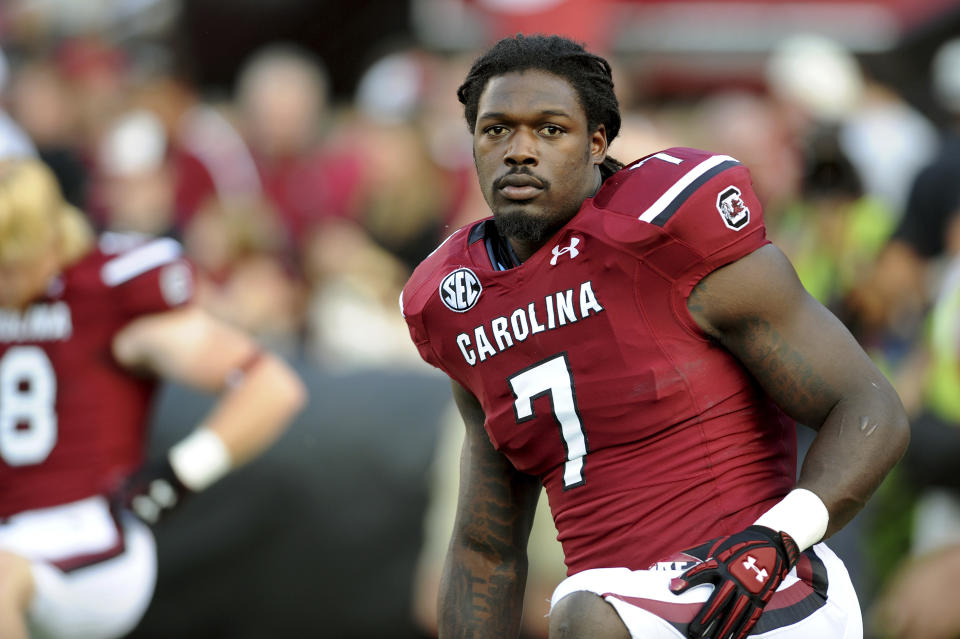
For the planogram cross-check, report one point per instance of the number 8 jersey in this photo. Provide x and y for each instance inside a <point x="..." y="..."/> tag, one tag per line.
<point x="648" y="436"/>
<point x="72" y="421"/>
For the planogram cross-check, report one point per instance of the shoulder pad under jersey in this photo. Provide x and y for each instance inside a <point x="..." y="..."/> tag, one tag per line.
<point x="146" y="274"/>
<point x="702" y="199"/>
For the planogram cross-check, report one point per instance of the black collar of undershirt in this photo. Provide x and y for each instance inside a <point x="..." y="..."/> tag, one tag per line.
<point x="499" y="251"/>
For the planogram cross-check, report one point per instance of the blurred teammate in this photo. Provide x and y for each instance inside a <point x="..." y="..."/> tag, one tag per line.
<point x="627" y="337"/>
<point x="87" y="327"/>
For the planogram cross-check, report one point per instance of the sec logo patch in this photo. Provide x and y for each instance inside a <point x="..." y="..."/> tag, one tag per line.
<point x="460" y="290"/>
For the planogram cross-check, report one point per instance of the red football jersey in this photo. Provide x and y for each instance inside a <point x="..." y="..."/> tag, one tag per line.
<point x="648" y="436"/>
<point x="72" y="421"/>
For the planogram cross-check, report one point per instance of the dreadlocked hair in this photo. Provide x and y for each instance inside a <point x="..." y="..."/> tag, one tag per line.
<point x="588" y="74"/>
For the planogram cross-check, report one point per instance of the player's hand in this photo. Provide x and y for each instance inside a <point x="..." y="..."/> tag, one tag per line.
<point x="745" y="570"/>
<point x="151" y="492"/>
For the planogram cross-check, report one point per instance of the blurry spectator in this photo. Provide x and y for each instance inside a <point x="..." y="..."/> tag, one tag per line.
<point x="833" y="231"/>
<point x="97" y="73"/>
<point x="207" y="153"/>
<point x="906" y="275"/>
<point x="414" y="181"/>
<point x="942" y="387"/>
<point x="117" y="318"/>
<point x="120" y="18"/>
<point x="211" y="160"/>
<point x="917" y="604"/>
<point x="353" y="320"/>
<point x="42" y="101"/>
<point x="752" y="129"/>
<point x="920" y="603"/>
<point x="821" y="84"/>
<point x="415" y="152"/>
<point x="155" y="169"/>
<point x="242" y="278"/>
<point x="283" y="100"/>
<point x="407" y="194"/>
<point x="639" y="136"/>
<point x="450" y="145"/>
<point x="888" y="142"/>
<point x="913" y="298"/>
<point x="135" y="180"/>
<point x="14" y="141"/>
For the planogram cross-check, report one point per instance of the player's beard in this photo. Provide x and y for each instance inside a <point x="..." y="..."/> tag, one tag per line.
<point x="520" y="225"/>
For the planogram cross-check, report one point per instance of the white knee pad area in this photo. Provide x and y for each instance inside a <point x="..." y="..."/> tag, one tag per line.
<point x="100" y="601"/>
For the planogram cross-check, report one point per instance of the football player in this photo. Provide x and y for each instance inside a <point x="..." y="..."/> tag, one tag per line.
<point x="87" y="328"/>
<point x="627" y="337"/>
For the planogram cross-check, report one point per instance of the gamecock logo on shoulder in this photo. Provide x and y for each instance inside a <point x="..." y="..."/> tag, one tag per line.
<point x="733" y="209"/>
<point x="460" y="290"/>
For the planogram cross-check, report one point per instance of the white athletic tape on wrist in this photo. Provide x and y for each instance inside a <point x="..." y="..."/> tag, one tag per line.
<point x="801" y="514"/>
<point x="200" y="459"/>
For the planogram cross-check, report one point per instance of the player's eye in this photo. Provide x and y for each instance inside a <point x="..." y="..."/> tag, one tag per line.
<point x="551" y="130"/>
<point x="495" y="130"/>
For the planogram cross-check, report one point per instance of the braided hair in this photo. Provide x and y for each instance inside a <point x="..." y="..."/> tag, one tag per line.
<point x="588" y="74"/>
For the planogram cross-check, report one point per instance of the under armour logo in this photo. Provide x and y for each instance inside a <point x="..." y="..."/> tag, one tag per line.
<point x="572" y="250"/>
<point x="751" y="564"/>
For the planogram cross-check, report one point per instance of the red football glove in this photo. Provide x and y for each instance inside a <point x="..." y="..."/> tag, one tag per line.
<point x="745" y="570"/>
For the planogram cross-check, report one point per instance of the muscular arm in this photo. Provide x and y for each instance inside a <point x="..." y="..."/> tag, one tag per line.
<point x="189" y="346"/>
<point x="481" y="590"/>
<point x="812" y="367"/>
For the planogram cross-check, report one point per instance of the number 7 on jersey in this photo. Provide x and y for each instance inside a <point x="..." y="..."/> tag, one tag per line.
<point x="553" y="377"/>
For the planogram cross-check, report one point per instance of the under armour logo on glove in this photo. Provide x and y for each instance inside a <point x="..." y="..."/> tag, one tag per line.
<point x="745" y="570"/>
<point x="751" y="563"/>
<point x="572" y="250"/>
<point x="159" y="496"/>
<point x="151" y="492"/>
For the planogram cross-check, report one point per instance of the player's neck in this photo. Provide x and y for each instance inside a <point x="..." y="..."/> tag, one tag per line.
<point x="523" y="249"/>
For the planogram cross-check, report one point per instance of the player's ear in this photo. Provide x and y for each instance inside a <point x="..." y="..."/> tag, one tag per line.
<point x="598" y="144"/>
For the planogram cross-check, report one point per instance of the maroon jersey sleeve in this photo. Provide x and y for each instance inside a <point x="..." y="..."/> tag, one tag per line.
<point x="146" y="275"/>
<point x="421" y="289"/>
<point x="703" y="204"/>
<point x="701" y="207"/>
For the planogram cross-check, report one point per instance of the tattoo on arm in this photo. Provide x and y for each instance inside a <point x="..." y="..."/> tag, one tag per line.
<point x="812" y="367"/>
<point x="481" y="592"/>
<point x="781" y="369"/>
<point x="695" y="301"/>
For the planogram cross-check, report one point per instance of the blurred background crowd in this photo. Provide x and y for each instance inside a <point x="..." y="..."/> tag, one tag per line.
<point x="308" y="153"/>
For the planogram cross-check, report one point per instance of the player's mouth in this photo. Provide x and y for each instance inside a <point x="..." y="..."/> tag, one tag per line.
<point x="519" y="186"/>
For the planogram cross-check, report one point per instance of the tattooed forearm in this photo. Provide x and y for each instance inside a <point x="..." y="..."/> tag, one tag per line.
<point x="480" y="603"/>
<point x="485" y="573"/>
<point x="781" y="369"/>
<point x="481" y="590"/>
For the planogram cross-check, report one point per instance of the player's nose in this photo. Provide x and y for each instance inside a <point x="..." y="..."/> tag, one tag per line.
<point x="521" y="150"/>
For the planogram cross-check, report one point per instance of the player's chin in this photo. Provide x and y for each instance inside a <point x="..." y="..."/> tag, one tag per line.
<point x="527" y="223"/>
<point x="537" y="206"/>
